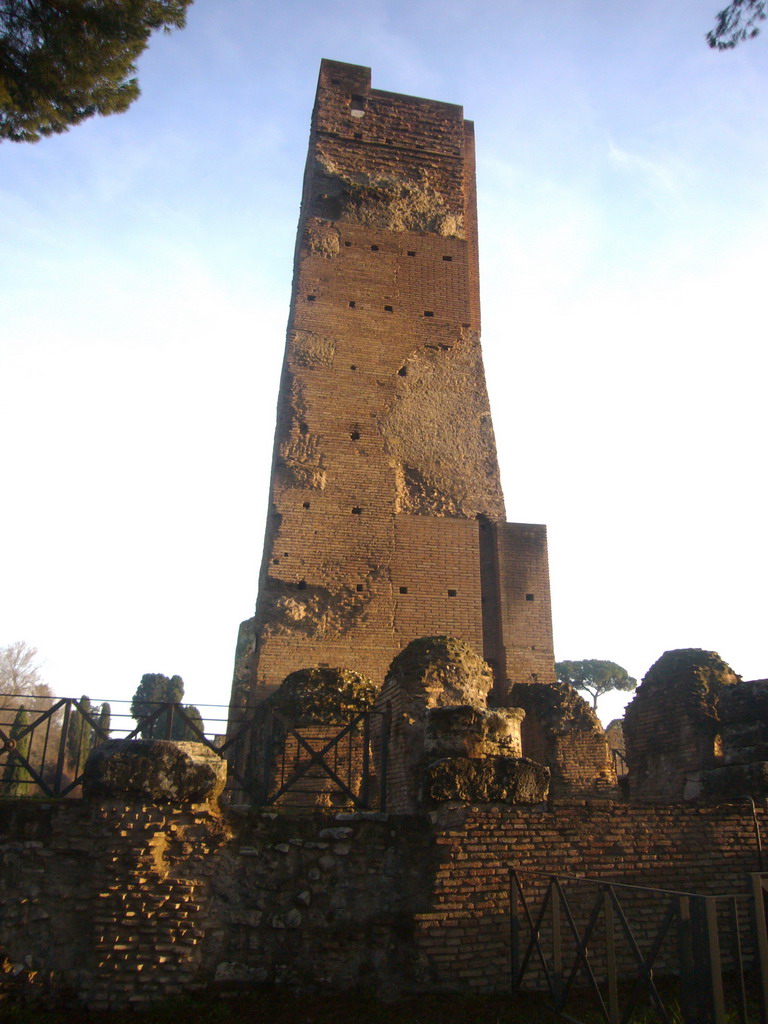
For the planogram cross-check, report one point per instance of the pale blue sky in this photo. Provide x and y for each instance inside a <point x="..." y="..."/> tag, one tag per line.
<point x="145" y="270"/>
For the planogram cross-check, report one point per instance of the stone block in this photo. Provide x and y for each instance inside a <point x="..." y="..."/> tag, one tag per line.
<point x="508" y="780"/>
<point x="162" y="771"/>
<point x="466" y="731"/>
<point x="733" y="781"/>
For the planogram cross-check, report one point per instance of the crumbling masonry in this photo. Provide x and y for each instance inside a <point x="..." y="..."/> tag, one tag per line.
<point x="390" y="582"/>
<point x="387" y="520"/>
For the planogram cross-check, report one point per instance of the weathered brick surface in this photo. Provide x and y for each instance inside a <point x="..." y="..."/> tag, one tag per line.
<point x="128" y="903"/>
<point x="386" y="514"/>
<point x="672" y="725"/>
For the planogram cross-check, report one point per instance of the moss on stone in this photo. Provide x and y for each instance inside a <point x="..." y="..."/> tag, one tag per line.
<point x="691" y="678"/>
<point x="443" y="670"/>
<point x="693" y="673"/>
<point x="163" y="771"/>
<point x="507" y="780"/>
<point x="323" y="695"/>
<point x="558" y="707"/>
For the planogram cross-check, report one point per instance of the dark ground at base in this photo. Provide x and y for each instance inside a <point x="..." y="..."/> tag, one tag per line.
<point x="277" y="1007"/>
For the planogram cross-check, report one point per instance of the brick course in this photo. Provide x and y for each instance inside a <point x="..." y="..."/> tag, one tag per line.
<point x="127" y="903"/>
<point x="386" y="513"/>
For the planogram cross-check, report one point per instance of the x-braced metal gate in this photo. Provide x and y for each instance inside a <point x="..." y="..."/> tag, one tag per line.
<point x="43" y="750"/>
<point x="615" y="940"/>
<point x="313" y="763"/>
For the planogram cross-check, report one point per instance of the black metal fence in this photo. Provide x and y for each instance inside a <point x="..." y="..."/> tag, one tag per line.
<point x="45" y="742"/>
<point x="616" y="942"/>
<point x="315" y="764"/>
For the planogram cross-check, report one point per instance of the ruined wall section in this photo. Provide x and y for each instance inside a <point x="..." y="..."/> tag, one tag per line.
<point x="526" y="654"/>
<point x="383" y="416"/>
<point x="672" y="725"/>
<point x="128" y="903"/>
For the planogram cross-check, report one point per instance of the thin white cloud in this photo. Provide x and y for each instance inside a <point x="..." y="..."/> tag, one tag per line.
<point x="656" y="173"/>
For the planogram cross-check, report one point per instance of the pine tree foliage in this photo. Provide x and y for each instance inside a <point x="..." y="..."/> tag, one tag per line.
<point x="62" y="61"/>
<point x="80" y="734"/>
<point x="156" y="689"/>
<point x="737" y="22"/>
<point x="594" y="677"/>
<point x="105" y="724"/>
<point x="16" y="777"/>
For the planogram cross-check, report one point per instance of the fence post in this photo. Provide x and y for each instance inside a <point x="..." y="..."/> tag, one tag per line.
<point x="708" y="979"/>
<point x="761" y="939"/>
<point x="714" y="966"/>
<point x="610" y="957"/>
<point x="557" y="951"/>
<point x="170" y="708"/>
<point x="385" y="727"/>
<point x="366" y="760"/>
<point x="738" y="958"/>
<point x="688" y="983"/>
<point x="266" y="760"/>
<point x="514" y="930"/>
<point x="62" y="748"/>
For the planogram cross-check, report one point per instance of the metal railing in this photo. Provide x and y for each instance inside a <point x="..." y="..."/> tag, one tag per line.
<point x="614" y="941"/>
<point x="44" y="747"/>
<point x="307" y="764"/>
<point x="270" y="759"/>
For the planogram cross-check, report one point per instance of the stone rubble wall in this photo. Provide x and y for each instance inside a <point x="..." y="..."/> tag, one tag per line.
<point x="124" y="904"/>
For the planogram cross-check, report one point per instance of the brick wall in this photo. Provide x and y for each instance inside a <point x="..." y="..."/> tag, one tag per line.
<point x="672" y="725"/>
<point x="385" y="460"/>
<point x="127" y="903"/>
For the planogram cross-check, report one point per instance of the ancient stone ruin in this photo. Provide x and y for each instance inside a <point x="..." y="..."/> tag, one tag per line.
<point x="397" y="737"/>
<point x="387" y="521"/>
<point x="695" y="730"/>
<point x="386" y="518"/>
<point x="445" y="742"/>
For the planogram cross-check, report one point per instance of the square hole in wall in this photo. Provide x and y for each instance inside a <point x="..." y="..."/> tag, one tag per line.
<point x="447" y="259"/>
<point x="352" y="304"/>
<point x="411" y="252"/>
<point x="356" y="511"/>
<point x="374" y="248"/>
<point x="428" y="312"/>
<point x="347" y="244"/>
<point x="529" y="597"/>
<point x="306" y="504"/>
<point x="359" y="587"/>
<point x="311" y="298"/>
<point x="452" y="593"/>
<point x="387" y="309"/>
<point x="403" y="590"/>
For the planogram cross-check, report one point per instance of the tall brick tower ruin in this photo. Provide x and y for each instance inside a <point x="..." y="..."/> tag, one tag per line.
<point x="386" y="518"/>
